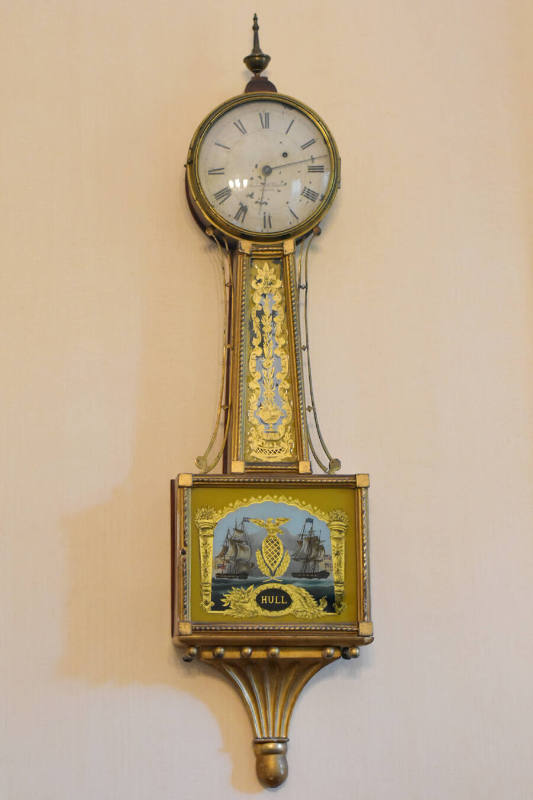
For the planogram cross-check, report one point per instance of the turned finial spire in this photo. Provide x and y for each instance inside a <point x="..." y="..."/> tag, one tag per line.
<point x="256" y="62"/>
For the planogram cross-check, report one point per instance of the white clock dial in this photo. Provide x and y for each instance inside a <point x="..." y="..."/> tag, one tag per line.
<point x="264" y="166"/>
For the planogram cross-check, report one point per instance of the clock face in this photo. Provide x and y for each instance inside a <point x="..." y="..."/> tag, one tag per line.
<point x="266" y="167"/>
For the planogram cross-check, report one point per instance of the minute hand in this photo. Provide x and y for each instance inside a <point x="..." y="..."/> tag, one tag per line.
<point x="292" y="163"/>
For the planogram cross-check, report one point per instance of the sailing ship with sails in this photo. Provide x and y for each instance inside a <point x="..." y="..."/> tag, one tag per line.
<point x="234" y="559"/>
<point x="310" y="553"/>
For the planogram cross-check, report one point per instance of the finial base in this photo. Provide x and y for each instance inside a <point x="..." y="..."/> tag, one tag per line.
<point x="259" y="84"/>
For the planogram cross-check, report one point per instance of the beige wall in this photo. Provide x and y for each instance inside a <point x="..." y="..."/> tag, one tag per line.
<point x="422" y="311"/>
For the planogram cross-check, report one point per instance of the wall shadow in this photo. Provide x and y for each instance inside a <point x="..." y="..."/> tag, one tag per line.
<point x="117" y="624"/>
<point x="117" y="619"/>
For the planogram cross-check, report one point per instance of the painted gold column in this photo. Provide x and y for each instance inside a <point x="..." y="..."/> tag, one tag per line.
<point x="338" y="525"/>
<point x="205" y="522"/>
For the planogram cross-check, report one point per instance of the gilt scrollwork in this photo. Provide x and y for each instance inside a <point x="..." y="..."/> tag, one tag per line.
<point x="242" y="602"/>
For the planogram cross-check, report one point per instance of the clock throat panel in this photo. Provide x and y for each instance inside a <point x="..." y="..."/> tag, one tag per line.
<point x="268" y="430"/>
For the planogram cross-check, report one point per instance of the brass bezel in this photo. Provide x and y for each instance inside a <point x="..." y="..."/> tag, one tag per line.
<point x="210" y="216"/>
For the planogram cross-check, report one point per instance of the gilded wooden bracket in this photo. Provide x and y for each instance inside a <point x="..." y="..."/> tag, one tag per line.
<point x="269" y="681"/>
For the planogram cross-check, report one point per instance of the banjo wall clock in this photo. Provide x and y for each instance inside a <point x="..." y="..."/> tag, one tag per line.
<point x="270" y="575"/>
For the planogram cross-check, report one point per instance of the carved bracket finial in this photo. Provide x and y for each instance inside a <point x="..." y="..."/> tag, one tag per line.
<point x="256" y="62"/>
<point x="269" y="680"/>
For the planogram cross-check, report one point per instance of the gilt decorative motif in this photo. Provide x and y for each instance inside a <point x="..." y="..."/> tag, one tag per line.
<point x="294" y="600"/>
<point x="271" y="560"/>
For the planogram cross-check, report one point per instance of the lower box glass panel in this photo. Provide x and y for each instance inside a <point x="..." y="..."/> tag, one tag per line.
<point x="274" y="554"/>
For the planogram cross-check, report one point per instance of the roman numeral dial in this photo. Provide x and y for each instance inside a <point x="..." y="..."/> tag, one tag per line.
<point x="264" y="166"/>
<point x="222" y="195"/>
<point x="240" y="126"/>
<point x="309" y="194"/>
<point x="240" y="216"/>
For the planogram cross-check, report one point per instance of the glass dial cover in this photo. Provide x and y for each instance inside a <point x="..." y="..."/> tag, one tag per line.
<point x="266" y="166"/>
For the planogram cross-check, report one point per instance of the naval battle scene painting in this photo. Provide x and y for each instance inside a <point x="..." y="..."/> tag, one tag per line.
<point x="272" y="557"/>
<point x="271" y="542"/>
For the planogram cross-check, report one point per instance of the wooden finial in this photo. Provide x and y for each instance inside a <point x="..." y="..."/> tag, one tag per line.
<point x="256" y="62"/>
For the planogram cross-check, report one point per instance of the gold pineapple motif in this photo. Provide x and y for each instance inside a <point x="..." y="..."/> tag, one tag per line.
<point x="273" y="560"/>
